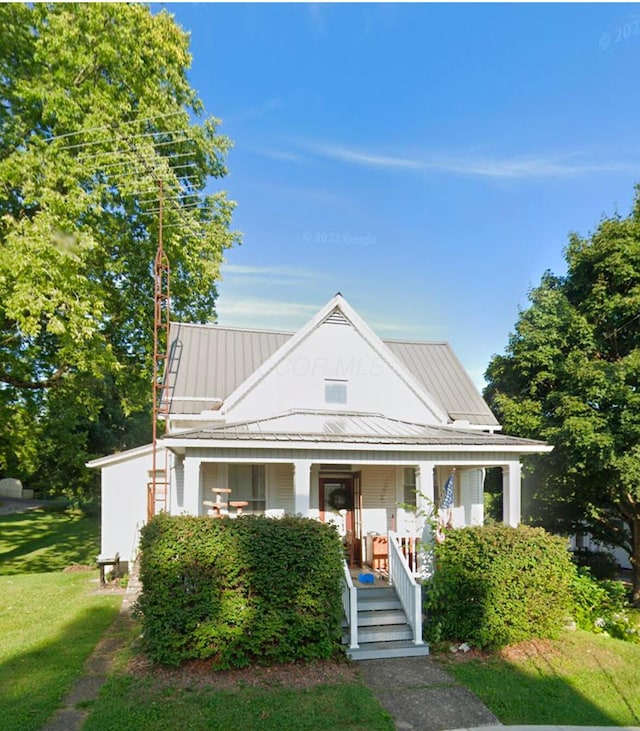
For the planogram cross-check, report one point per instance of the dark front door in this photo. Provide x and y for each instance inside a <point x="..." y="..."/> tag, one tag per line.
<point x="340" y="496"/>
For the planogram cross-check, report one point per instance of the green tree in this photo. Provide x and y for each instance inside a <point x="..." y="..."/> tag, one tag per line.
<point x="95" y="110"/>
<point x="571" y="375"/>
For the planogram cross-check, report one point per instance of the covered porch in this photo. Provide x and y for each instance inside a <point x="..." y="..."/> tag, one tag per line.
<point x="364" y="499"/>
<point x="376" y="479"/>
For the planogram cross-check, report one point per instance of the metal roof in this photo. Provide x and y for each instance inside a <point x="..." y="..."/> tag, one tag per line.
<point x="345" y="427"/>
<point x="208" y="362"/>
<point x="438" y="369"/>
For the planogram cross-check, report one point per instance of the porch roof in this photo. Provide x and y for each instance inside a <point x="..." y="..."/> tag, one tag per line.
<point x="349" y="428"/>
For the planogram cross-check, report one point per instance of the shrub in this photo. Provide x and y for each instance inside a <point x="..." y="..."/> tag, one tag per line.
<point x="495" y="585"/>
<point x="251" y="589"/>
<point x="602" y="607"/>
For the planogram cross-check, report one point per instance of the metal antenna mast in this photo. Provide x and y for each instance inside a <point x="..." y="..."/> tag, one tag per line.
<point x="159" y="485"/>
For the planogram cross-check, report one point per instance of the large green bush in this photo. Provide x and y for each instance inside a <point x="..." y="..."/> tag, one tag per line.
<point x="252" y="589"/>
<point x="496" y="585"/>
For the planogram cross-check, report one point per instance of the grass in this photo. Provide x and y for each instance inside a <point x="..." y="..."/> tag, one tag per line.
<point x="127" y="703"/>
<point x="40" y="541"/>
<point x="50" y="620"/>
<point x="581" y="679"/>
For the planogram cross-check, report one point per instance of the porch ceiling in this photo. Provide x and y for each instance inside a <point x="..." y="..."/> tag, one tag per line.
<point x="349" y="428"/>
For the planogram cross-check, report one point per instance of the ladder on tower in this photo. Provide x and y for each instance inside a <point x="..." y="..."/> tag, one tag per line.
<point x="158" y="484"/>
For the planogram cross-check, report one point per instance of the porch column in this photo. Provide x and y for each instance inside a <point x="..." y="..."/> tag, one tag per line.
<point x="424" y="489"/>
<point x="301" y="486"/>
<point x="426" y="508"/>
<point x="511" y="489"/>
<point x="192" y="493"/>
<point x="177" y="493"/>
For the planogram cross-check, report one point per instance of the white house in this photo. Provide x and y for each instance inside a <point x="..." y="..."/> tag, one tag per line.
<point x="330" y="422"/>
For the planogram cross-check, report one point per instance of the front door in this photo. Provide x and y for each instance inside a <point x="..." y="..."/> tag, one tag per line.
<point x="340" y="504"/>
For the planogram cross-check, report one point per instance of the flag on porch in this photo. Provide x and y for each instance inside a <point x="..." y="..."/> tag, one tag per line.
<point x="447" y="498"/>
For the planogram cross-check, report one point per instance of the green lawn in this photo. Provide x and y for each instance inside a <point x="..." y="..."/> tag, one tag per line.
<point x="134" y="704"/>
<point x="39" y="541"/>
<point x="581" y="679"/>
<point x="50" y="621"/>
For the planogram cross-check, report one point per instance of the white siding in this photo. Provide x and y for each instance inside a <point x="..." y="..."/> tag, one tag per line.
<point x="281" y="490"/>
<point x="471" y="493"/>
<point x="210" y="475"/>
<point x="379" y="499"/>
<point x="124" y="505"/>
<point x="332" y="352"/>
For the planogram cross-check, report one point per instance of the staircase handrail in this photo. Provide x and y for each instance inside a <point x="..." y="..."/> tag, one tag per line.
<point x="407" y="588"/>
<point x="350" y="606"/>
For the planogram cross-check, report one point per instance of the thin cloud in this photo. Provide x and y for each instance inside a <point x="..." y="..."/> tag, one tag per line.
<point x="273" y="104"/>
<point x="264" y="313"/>
<point x="358" y="157"/>
<point x="521" y="167"/>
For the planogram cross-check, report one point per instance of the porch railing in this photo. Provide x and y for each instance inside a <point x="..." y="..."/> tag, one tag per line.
<point x="408" y="590"/>
<point x="350" y="606"/>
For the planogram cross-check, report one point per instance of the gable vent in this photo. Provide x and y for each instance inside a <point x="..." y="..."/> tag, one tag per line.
<point x="336" y="318"/>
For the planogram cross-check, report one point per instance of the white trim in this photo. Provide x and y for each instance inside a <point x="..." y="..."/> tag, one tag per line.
<point x="119" y="456"/>
<point x="176" y="443"/>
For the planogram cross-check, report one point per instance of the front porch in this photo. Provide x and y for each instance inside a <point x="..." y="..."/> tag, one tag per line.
<point x="364" y="500"/>
<point x="378" y="488"/>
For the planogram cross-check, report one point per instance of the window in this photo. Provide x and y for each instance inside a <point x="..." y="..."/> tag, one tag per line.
<point x="335" y="392"/>
<point x="247" y="482"/>
<point x="409" y="486"/>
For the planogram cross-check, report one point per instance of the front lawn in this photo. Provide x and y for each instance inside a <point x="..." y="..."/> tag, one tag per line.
<point x="50" y="621"/>
<point x="580" y="679"/>
<point x="128" y="703"/>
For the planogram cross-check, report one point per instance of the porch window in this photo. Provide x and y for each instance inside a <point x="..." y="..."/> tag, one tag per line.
<point x="247" y="482"/>
<point x="409" y="486"/>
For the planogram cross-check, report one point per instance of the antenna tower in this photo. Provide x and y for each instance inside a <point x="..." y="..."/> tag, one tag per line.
<point x="158" y="152"/>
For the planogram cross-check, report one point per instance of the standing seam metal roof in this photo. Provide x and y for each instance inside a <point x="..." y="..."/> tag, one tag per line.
<point x="208" y="362"/>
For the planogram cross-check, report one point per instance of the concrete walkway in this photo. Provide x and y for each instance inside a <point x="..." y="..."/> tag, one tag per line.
<point x="97" y="666"/>
<point x="422" y="697"/>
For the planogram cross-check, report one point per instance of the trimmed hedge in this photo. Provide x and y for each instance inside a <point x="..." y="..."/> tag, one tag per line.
<point x="251" y="589"/>
<point x="496" y="585"/>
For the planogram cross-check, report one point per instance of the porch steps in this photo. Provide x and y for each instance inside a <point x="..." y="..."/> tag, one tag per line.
<point x="387" y="650"/>
<point x="383" y="631"/>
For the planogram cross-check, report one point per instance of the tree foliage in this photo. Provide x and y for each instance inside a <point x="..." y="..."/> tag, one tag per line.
<point x="571" y="375"/>
<point x="95" y="110"/>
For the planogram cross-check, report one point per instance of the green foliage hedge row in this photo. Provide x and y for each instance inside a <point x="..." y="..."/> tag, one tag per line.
<point x="495" y="585"/>
<point x="251" y="589"/>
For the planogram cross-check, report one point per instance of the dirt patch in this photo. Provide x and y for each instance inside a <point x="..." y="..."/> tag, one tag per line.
<point x="529" y="649"/>
<point x="76" y="567"/>
<point x="511" y="653"/>
<point x="200" y="673"/>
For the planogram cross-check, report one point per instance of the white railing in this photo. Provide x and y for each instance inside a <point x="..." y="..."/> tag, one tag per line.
<point x="408" y="590"/>
<point x="350" y="606"/>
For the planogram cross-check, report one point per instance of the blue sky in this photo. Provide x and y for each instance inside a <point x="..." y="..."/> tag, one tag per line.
<point x="427" y="161"/>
